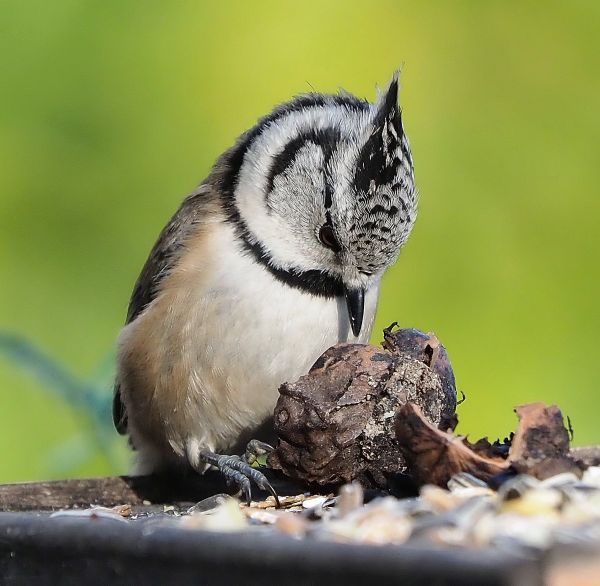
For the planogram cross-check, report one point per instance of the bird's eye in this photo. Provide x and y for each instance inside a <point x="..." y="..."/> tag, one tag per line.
<point x="328" y="238"/>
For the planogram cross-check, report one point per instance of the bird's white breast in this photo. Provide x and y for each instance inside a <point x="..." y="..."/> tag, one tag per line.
<point x="247" y="333"/>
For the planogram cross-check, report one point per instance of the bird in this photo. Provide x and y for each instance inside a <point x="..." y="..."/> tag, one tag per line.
<point x="275" y="257"/>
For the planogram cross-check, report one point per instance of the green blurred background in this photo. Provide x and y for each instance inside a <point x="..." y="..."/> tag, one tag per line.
<point x="112" y="111"/>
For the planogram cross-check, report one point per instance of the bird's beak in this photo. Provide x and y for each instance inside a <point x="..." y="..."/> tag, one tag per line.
<point x="355" y="300"/>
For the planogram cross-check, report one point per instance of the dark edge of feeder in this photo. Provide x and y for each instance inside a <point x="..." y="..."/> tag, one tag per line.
<point x="38" y="550"/>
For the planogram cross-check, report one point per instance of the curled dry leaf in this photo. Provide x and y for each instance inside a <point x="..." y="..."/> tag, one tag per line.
<point x="434" y="456"/>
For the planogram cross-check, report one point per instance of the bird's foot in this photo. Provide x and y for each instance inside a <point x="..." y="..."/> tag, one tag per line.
<point x="239" y="473"/>
<point x="255" y="450"/>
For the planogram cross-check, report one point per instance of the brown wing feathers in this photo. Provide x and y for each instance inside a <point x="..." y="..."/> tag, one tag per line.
<point x="163" y="257"/>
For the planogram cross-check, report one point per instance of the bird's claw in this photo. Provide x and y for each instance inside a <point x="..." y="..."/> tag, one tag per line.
<point x="239" y="473"/>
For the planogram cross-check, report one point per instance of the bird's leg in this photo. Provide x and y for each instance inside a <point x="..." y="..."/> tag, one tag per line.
<point x="255" y="449"/>
<point x="239" y="473"/>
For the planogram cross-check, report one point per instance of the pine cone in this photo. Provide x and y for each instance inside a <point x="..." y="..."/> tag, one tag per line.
<point x="336" y="424"/>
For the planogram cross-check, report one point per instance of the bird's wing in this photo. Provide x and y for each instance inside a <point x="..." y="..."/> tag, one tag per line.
<point x="162" y="259"/>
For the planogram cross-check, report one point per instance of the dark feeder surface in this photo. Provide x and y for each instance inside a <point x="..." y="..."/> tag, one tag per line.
<point x="38" y="550"/>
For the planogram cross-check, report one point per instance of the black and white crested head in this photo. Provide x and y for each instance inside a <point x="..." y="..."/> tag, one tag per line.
<point x="384" y="200"/>
<point x="322" y="190"/>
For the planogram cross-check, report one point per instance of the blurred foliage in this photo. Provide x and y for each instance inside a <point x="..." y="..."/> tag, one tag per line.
<point x="89" y="398"/>
<point x="112" y="111"/>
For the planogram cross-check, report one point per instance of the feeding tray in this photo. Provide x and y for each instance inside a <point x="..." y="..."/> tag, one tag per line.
<point x="37" y="548"/>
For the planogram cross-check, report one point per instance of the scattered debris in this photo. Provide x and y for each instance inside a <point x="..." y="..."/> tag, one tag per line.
<point x="224" y="517"/>
<point x="351" y="498"/>
<point x="123" y="510"/>
<point x="209" y="504"/>
<point x="285" y="502"/>
<point x="586" y="456"/>
<point x="526" y="512"/>
<point x="93" y="513"/>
